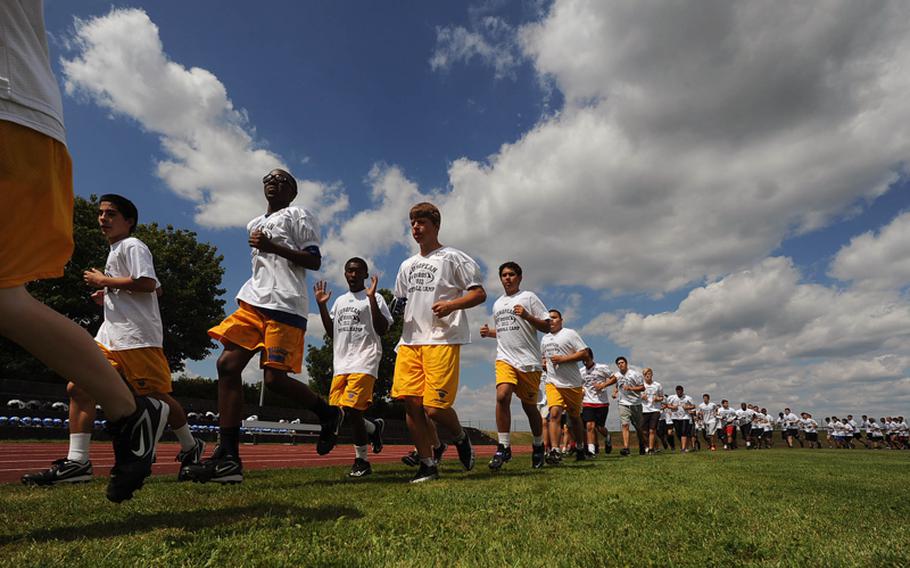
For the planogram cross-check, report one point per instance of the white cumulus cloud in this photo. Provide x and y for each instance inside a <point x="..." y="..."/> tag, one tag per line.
<point x="877" y="260"/>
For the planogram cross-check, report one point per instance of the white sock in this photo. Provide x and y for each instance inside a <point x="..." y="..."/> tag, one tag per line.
<point x="591" y="448"/>
<point x="187" y="442"/>
<point x="79" y="444"/>
<point x="428" y="461"/>
<point x="505" y="438"/>
<point x="370" y="426"/>
<point x="538" y="441"/>
<point x="361" y="452"/>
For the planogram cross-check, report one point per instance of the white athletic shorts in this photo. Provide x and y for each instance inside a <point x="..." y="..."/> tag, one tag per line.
<point x="710" y="427"/>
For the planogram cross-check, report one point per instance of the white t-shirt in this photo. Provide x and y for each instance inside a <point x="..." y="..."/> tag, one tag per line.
<point x="811" y="426"/>
<point x="744" y="416"/>
<point x="444" y="274"/>
<point x="599" y="373"/>
<point x="855" y="428"/>
<point x="564" y="342"/>
<point x="652" y="391"/>
<point x="708" y="411"/>
<point x="516" y="338"/>
<point x="277" y="283"/>
<point x="29" y="94"/>
<point x="726" y="415"/>
<point x="131" y="319"/>
<point x="790" y="421"/>
<point x="679" y="401"/>
<point x="848" y="429"/>
<point x="357" y="348"/>
<point x="632" y="378"/>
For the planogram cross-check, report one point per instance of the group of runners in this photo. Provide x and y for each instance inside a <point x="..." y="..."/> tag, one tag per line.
<point x="432" y="290"/>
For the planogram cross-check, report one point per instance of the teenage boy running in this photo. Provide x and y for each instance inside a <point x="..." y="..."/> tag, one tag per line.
<point x="562" y="349"/>
<point x="36" y="242"/>
<point x="130" y="338"/>
<point x="270" y="320"/>
<point x="595" y="406"/>
<point x="518" y="316"/>
<point x="629" y="384"/>
<point x="432" y="291"/>
<point x="651" y="402"/>
<point x="708" y="412"/>
<point x="681" y="403"/>
<point x="355" y="323"/>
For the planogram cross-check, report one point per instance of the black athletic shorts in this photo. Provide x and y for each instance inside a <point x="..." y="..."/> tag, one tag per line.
<point x="812" y="436"/>
<point x="649" y="420"/>
<point x="595" y="414"/>
<point x="768" y="434"/>
<point x="683" y="427"/>
<point x="792" y="432"/>
<point x="746" y="429"/>
<point x="857" y="435"/>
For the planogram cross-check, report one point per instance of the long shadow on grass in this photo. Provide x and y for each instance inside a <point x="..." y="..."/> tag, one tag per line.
<point x="187" y="520"/>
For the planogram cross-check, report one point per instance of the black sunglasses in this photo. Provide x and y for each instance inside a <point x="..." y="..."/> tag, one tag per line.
<point x="280" y="178"/>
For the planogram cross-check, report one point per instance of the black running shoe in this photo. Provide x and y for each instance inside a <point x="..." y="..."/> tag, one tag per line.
<point x="581" y="455"/>
<point x="190" y="457"/>
<point x="376" y="436"/>
<point x="465" y="453"/>
<point x="222" y="467"/>
<point x="411" y="459"/>
<point x="135" y="438"/>
<point x="590" y="455"/>
<point x="624" y="452"/>
<point x="328" y="433"/>
<point x="438" y="451"/>
<point x="61" y="471"/>
<point x="426" y="473"/>
<point x="554" y="457"/>
<point x="608" y="449"/>
<point x="537" y="456"/>
<point x="360" y="468"/>
<point x="503" y="454"/>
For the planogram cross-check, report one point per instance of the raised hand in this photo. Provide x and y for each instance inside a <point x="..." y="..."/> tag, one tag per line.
<point x="374" y="283"/>
<point x="321" y="293"/>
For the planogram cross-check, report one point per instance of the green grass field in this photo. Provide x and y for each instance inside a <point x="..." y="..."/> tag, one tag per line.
<point x="773" y="508"/>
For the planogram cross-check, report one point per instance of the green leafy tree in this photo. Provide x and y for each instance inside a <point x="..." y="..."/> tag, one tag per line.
<point x="319" y="362"/>
<point x="190" y="273"/>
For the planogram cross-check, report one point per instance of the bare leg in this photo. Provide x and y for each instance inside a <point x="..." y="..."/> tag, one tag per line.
<point x="418" y="425"/>
<point x="534" y="418"/>
<point x="355" y="418"/>
<point x="177" y="417"/>
<point x="230" y="384"/>
<point x="82" y="410"/>
<point x="446" y="417"/>
<point x="64" y="347"/>
<point x="554" y="424"/>
<point x="504" y="407"/>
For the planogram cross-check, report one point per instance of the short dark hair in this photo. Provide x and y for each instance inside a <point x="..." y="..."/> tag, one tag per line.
<point x="510" y="264"/>
<point x="706" y="395"/>
<point x="555" y="310"/>
<point x="126" y="207"/>
<point x="679" y="387"/>
<point x="590" y="352"/>
<point x="426" y="210"/>
<point x="621" y="358"/>
<point x="725" y="400"/>
<point x="358" y="260"/>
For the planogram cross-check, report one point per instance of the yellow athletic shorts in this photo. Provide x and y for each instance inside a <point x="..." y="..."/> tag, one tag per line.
<point x="281" y="344"/>
<point x="36" y="198"/>
<point x="145" y="369"/>
<point x="568" y="398"/>
<point x="527" y="383"/>
<point x="427" y="371"/>
<point x="354" y="390"/>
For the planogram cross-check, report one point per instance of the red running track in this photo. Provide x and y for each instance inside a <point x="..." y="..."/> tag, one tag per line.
<point x="17" y="459"/>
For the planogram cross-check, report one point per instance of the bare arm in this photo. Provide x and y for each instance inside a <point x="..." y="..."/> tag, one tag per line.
<point x="304" y="258"/>
<point x="97" y="279"/>
<point x="573" y="358"/>
<point x="380" y="324"/>
<point x="474" y="296"/>
<point x="322" y="295"/>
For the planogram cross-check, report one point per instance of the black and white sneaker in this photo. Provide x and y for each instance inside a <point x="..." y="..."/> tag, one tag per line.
<point x="328" y="434"/>
<point x="426" y="473"/>
<point x="190" y="457"/>
<point x="411" y="459"/>
<point x="222" y="467"/>
<point x="438" y="452"/>
<point x="624" y="452"/>
<point x="360" y="468"/>
<point x="503" y="454"/>
<point x="61" y="471"/>
<point x="537" y="456"/>
<point x="376" y="436"/>
<point x="608" y="449"/>
<point x="581" y="454"/>
<point x="554" y="457"/>
<point x="135" y="438"/>
<point x="465" y="453"/>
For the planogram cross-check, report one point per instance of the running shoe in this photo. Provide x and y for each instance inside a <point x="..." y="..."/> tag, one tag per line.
<point x="438" y="451"/>
<point x="328" y="433"/>
<point x="61" y="471"/>
<point x="190" y="457"/>
<point x="426" y="473"/>
<point x="135" y="438"/>
<point x="465" y="453"/>
<point x="554" y="457"/>
<point x="376" y="436"/>
<point x="222" y="468"/>
<point x="360" y="468"/>
<point x="411" y="459"/>
<point x="537" y="456"/>
<point x="503" y="454"/>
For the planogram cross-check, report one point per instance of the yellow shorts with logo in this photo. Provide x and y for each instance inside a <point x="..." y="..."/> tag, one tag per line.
<point x="354" y="390"/>
<point x="427" y="371"/>
<point x="145" y="368"/>
<point x="527" y="383"/>
<point x="36" y="198"/>
<point x="281" y="344"/>
<point x="568" y="398"/>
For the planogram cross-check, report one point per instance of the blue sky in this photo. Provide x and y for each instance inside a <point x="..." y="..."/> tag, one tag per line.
<point x="710" y="191"/>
